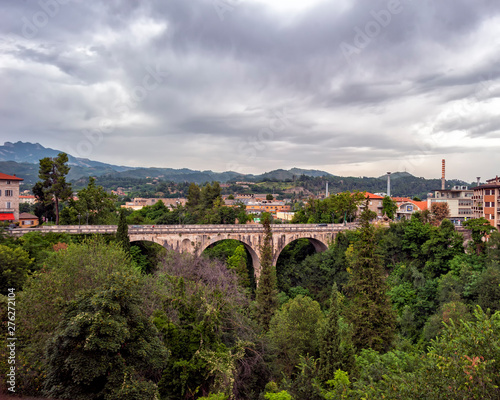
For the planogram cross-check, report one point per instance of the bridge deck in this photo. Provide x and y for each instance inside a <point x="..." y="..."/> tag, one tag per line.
<point x="169" y="229"/>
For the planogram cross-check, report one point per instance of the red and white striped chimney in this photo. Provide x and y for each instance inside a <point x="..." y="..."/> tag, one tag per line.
<point x="443" y="185"/>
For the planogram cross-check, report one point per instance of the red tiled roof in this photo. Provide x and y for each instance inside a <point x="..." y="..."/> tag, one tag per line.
<point x="420" y="204"/>
<point x="401" y="199"/>
<point x="373" y="196"/>
<point x="6" y="177"/>
<point x="27" y="216"/>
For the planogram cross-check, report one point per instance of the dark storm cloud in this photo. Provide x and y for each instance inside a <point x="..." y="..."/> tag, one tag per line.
<point x="187" y="84"/>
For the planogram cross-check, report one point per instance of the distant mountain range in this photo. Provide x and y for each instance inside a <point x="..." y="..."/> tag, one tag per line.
<point x="22" y="159"/>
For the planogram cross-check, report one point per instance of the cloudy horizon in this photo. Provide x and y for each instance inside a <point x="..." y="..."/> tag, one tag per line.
<point x="349" y="87"/>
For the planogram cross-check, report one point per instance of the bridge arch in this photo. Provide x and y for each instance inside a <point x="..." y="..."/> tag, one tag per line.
<point x="147" y="238"/>
<point x="282" y="241"/>
<point x="248" y="246"/>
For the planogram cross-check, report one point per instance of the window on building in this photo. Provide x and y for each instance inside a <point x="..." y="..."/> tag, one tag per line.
<point x="8" y="182"/>
<point x="8" y="204"/>
<point x="0" y="193"/>
<point x="9" y="193"/>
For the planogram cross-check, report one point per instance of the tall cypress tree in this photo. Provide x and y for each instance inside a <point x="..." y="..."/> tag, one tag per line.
<point x="370" y="312"/>
<point x="122" y="232"/>
<point x="53" y="185"/>
<point x="266" y="295"/>
<point x="336" y="352"/>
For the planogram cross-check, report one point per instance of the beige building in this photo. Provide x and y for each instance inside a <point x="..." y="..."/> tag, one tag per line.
<point x="459" y="200"/>
<point x="27" y="220"/>
<point x="138" y="203"/>
<point x="374" y="203"/>
<point x="486" y="200"/>
<point x="269" y="206"/>
<point x="9" y="197"/>
<point x="285" y="215"/>
<point x="29" y="199"/>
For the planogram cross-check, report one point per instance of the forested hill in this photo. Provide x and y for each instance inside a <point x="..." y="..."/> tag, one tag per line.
<point x="22" y="160"/>
<point x="402" y="184"/>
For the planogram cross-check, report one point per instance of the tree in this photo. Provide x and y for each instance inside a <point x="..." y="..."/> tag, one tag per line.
<point x="238" y="263"/>
<point x="122" y="232"/>
<point x="94" y="204"/>
<point x="439" y="212"/>
<point x="198" y="308"/>
<point x="14" y="266"/>
<point x="335" y="352"/>
<point x="293" y="331"/>
<point x="480" y="228"/>
<point x="193" y="197"/>
<point x="389" y="207"/>
<point x="443" y="245"/>
<point x="208" y="195"/>
<point x="266" y="293"/>
<point x="53" y="185"/>
<point x="46" y="293"/>
<point x="105" y="347"/>
<point x="269" y="197"/>
<point x="341" y="205"/>
<point x="44" y="207"/>
<point x="370" y="311"/>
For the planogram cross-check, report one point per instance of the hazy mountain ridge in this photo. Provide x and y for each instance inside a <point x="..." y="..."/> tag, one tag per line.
<point x="22" y="159"/>
<point x="25" y="152"/>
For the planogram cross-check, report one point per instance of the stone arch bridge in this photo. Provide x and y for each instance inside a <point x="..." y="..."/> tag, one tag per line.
<point x="196" y="238"/>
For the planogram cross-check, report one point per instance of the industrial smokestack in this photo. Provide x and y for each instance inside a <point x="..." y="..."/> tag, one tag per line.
<point x="443" y="182"/>
<point x="389" y="184"/>
<point x="326" y="191"/>
<point x="478" y="180"/>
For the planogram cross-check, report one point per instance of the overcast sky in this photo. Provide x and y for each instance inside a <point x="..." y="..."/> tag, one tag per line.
<point x="350" y="87"/>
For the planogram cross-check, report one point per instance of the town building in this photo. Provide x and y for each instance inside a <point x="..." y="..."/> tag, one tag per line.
<point x="406" y="207"/>
<point x="27" y="220"/>
<point x="139" y="202"/>
<point x="285" y="216"/>
<point x="269" y="206"/>
<point x="9" y="197"/>
<point x="374" y="203"/>
<point x="459" y="200"/>
<point x="28" y="199"/>
<point x="486" y="201"/>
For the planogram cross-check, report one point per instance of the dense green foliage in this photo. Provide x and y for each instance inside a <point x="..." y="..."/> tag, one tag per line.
<point x="204" y="206"/>
<point x="266" y="294"/>
<point x="369" y="312"/>
<point x="414" y="313"/>
<point x="104" y="346"/>
<point x="14" y="266"/>
<point x="340" y="207"/>
<point x="94" y="206"/>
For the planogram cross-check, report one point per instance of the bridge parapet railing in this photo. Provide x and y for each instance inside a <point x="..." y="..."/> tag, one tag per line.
<point x="186" y="229"/>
